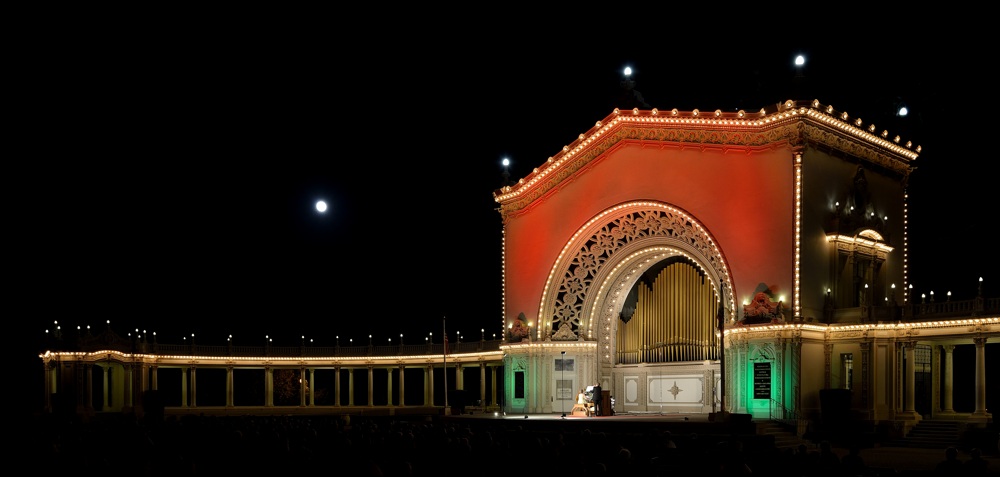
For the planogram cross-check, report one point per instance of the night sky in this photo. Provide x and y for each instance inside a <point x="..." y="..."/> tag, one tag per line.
<point x="172" y="171"/>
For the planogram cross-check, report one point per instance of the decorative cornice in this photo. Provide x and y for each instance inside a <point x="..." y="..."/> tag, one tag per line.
<point x="791" y="123"/>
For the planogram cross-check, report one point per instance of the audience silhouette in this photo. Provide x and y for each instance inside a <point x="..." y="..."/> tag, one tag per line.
<point x="195" y="445"/>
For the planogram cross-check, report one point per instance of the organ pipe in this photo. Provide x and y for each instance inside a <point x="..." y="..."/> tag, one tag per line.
<point x="674" y="319"/>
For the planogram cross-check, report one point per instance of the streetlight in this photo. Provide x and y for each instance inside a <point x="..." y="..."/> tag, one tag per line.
<point x="563" y="404"/>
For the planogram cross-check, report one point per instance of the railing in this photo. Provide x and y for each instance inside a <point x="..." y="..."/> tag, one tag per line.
<point x="926" y="311"/>
<point x="779" y="413"/>
<point x="949" y="309"/>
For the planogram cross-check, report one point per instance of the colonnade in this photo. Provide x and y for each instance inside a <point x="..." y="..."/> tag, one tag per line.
<point x="138" y="376"/>
<point x="946" y="407"/>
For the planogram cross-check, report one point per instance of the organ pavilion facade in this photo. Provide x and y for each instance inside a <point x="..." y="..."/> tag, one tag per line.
<point x="750" y="262"/>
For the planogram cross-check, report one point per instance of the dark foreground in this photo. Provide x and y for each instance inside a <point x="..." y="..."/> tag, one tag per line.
<point x="467" y="445"/>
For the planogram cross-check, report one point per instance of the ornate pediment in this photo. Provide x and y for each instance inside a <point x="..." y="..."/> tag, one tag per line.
<point x="565" y="333"/>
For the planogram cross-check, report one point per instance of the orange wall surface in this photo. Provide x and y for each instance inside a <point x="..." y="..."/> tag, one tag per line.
<point x="745" y="200"/>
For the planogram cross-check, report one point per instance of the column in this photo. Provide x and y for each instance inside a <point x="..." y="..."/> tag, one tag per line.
<point x="336" y="386"/>
<point x="129" y="385"/>
<point x="302" y="386"/>
<point x="388" y="387"/>
<point x="531" y="383"/>
<point x="935" y="380"/>
<point x="371" y="385"/>
<point x="229" y="386"/>
<point x="866" y="388"/>
<point x="459" y="377"/>
<point x="980" y="378"/>
<point x="895" y="395"/>
<point x="184" y="387"/>
<point x="312" y="386"/>
<point x="429" y="385"/>
<point x="89" y="398"/>
<point x="154" y="377"/>
<point x="949" y="379"/>
<point x="402" y="372"/>
<point x="482" y="383"/>
<point x="911" y="374"/>
<point x="106" y="371"/>
<point x="49" y="372"/>
<point x="779" y="391"/>
<point x="493" y="389"/>
<point x="268" y="386"/>
<point x="79" y="385"/>
<point x="194" y="386"/>
<point x="827" y="363"/>
<point x="350" y="387"/>
<point x="143" y="378"/>
<point x="797" y="372"/>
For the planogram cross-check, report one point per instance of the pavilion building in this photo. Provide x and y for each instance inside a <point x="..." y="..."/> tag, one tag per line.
<point x="721" y="263"/>
<point x="728" y="262"/>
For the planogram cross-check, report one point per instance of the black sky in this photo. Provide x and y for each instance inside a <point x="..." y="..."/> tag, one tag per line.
<point x="172" y="170"/>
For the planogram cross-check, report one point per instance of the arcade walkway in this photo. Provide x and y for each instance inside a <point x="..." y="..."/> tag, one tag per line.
<point x="111" y="374"/>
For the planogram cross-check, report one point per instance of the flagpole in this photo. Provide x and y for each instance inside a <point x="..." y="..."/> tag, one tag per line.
<point x="444" y="329"/>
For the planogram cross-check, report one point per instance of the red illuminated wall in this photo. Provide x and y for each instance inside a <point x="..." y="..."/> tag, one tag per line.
<point x="744" y="199"/>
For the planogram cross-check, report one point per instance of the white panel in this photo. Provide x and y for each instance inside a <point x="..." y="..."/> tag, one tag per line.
<point x="676" y="390"/>
<point x="631" y="389"/>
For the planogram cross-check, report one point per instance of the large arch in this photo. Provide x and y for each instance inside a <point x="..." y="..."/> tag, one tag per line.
<point x="604" y="260"/>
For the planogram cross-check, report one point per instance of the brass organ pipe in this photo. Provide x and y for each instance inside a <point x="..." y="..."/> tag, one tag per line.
<point x="689" y="307"/>
<point x="651" y="318"/>
<point x="710" y="315"/>
<point x="676" y="302"/>
<point x="662" y="313"/>
<point x="691" y="297"/>
<point x="637" y="326"/>
<point x="668" y="318"/>
<point x="695" y="319"/>
<point x="681" y="316"/>
<point x="701" y="321"/>
<point x="656" y="313"/>
<point x="710" y="322"/>
<point x="656" y="304"/>
<point x="672" y="318"/>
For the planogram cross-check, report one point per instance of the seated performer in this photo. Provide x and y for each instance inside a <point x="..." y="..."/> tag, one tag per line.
<point x="581" y="404"/>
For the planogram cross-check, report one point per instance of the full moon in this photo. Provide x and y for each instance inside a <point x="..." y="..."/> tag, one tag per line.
<point x="321" y="206"/>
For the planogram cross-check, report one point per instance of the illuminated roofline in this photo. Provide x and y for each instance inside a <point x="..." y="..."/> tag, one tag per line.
<point x="789" y="110"/>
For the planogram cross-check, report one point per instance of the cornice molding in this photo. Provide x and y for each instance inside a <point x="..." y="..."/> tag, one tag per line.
<point x="795" y="126"/>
